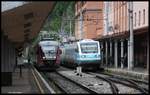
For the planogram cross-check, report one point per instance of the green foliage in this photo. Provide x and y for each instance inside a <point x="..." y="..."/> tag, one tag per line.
<point x="70" y="13"/>
<point x="62" y="9"/>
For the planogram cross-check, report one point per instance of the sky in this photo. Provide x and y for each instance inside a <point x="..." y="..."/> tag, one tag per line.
<point x="6" y="5"/>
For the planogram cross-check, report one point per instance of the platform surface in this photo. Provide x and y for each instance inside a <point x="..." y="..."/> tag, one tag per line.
<point x="21" y="84"/>
<point x="138" y="73"/>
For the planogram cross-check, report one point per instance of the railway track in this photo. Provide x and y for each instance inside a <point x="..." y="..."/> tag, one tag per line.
<point x="55" y="85"/>
<point x="93" y="84"/>
<point x="41" y="83"/>
<point x="65" y="81"/>
<point x="66" y="85"/>
<point x="125" y="81"/>
<point x="113" y="86"/>
<point x="143" y="84"/>
<point x="113" y="80"/>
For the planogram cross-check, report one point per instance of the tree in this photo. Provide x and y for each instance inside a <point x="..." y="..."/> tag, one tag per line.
<point x="55" y="22"/>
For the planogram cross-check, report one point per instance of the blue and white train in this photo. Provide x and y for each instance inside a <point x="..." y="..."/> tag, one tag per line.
<point x="84" y="53"/>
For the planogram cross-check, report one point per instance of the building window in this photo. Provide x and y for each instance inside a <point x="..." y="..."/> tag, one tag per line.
<point x="143" y="16"/>
<point x="84" y="2"/>
<point x="139" y="17"/>
<point x="124" y="2"/>
<point x="135" y="19"/>
<point x="81" y="4"/>
<point x="117" y="5"/>
<point x="109" y="7"/>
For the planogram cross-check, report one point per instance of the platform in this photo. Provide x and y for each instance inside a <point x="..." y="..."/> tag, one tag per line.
<point x="138" y="73"/>
<point x="24" y="84"/>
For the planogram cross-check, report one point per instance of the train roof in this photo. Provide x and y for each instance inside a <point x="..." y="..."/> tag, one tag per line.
<point x="87" y="40"/>
<point x="80" y="41"/>
<point x="48" y="42"/>
<point x="47" y="39"/>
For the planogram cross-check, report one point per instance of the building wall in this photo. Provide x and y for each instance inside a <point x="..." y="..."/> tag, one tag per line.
<point x="116" y="13"/>
<point x="140" y="14"/>
<point x="93" y="19"/>
<point x="8" y="61"/>
<point x="115" y="21"/>
<point x="118" y="16"/>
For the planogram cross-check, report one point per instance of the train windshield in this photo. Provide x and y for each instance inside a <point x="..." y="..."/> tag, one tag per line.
<point x="49" y="48"/>
<point x="89" y="47"/>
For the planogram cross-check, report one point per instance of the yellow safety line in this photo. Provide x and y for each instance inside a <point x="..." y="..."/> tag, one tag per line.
<point x="41" y="90"/>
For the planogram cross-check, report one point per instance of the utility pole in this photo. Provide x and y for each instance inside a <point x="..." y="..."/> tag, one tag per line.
<point x="81" y="24"/>
<point x="70" y="29"/>
<point x="131" y="38"/>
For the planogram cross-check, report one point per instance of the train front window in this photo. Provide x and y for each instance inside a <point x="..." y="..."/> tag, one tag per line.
<point x="89" y="47"/>
<point x="49" y="48"/>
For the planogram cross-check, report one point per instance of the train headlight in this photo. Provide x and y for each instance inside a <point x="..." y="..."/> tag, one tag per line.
<point x="97" y="56"/>
<point x="83" y="56"/>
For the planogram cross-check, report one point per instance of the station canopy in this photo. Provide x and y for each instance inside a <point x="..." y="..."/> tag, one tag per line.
<point x="22" y="21"/>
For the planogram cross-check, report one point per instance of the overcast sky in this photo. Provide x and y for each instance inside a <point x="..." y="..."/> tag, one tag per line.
<point x="6" y="5"/>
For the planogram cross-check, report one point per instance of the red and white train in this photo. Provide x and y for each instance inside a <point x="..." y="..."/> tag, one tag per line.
<point x="47" y="54"/>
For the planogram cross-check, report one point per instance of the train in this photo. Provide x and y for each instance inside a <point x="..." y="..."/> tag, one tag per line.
<point x="47" y="54"/>
<point x="85" y="53"/>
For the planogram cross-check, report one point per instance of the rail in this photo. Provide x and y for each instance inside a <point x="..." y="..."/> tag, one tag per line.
<point x="82" y="86"/>
<point x="37" y="74"/>
<point x="113" y="86"/>
<point x="125" y="81"/>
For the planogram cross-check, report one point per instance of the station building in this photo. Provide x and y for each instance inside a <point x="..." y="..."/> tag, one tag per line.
<point x="92" y="23"/>
<point x="112" y="30"/>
